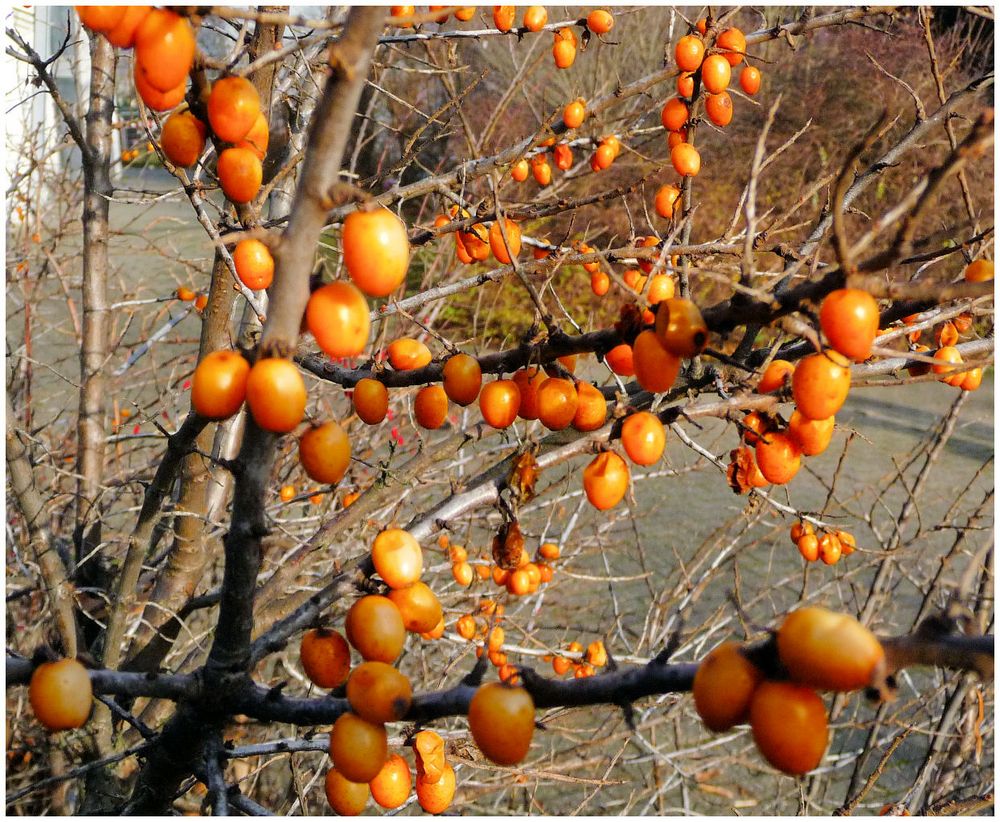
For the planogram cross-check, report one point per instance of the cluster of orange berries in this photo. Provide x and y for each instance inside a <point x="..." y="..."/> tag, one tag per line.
<point x="584" y="664"/>
<point x="820" y="650"/>
<point x="164" y="53"/>
<point x="714" y="73"/>
<point x="820" y="384"/>
<point x="476" y="244"/>
<point x="378" y="693"/>
<point x="187" y="295"/>
<point x="829" y="546"/>
<point x="130" y="154"/>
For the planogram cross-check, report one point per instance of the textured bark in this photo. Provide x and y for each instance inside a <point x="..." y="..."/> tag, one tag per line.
<point x="29" y="501"/>
<point x="96" y="312"/>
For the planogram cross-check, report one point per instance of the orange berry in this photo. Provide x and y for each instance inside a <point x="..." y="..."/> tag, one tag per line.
<point x="61" y="694"/>
<point x="605" y="480"/>
<point x="325" y="452"/>
<point x="379" y="693"/>
<point x="325" y="657"/>
<point x="723" y="686"/>
<point x="397" y="557"/>
<point x="789" y="726"/>
<point x="391" y="786"/>
<point x="502" y="721"/>
<point x="337" y="316"/>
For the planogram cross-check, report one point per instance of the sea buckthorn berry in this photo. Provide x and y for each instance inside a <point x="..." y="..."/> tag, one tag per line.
<point x="465" y="626"/>
<point x="528" y="381"/>
<point x="675" y="138"/>
<point x="276" y="394"/>
<point x="503" y="17"/>
<point x="347" y="798"/>
<point x="849" y="319"/>
<point x="605" y="480"/>
<point x="972" y="380"/>
<point x="182" y="138"/>
<point x="800" y="529"/>
<point x="750" y="80"/>
<point x="233" y="108"/>
<point x="600" y="283"/>
<point x="535" y="18"/>
<point x="462" y="573"/>
<point x="620" y="359"/>
<point x="287" y="493"/>
<point x="504" y="251"/>
<point x="643" y="438"/>
<point x="774" y="376"/>
<point x="591" y="409"/>
<point x="542" y="171"/>
<point x="830" y="548"/>
<point x="502" y="721"/>
<point x="325" y="657"/>
<point x="674" y="114"/>
<point x="61" y="694"/>
<point x="811" y="436"/>
<point x="240" y="174"/>
<point x="397" y="558"/>
<point x="437" y="796"/>
<point x="597" y="655"/>
<point x="325" y="452"/>
<point x="465" y="13"/>
<point x="358" y="748"/>
<point x="734" y="44"/>
<point x="219" y="385"/>
<point x="716" y="74"/>
<point x="778" y="457"/>
<point x="685" y="84"/>
<point x="808" y="545"/>
<point x="789" y="726"/>
<point x="821" y="383"/>
<point x="847" y="542"/>
<point x="557" y="403"/>
<point x="604" y="156"/>
<point x="406" y="354"/>
<point x="600" y="21"/>
<point x="430" y="407"/>
<point x="549" y="550"/>
<point x="520" y="170"/>
<point x="828" y="650"/>
<point x="154" y="98"/>
<point x="463" y="379"/>
<point x="376" y="250"/>
<point x="656" y="368"/>
<point x="666" y="198"/>
<point x="719" y="108"/>
<point x="403" y="11"/>
<point x="755" y="424"/>
<point x="428" y="749"/>
<point x="337" y="316"/>
<point x="689" y="52"/>
<point x="951" y="355"/>
<point x="378" y="692"/>
<point x="254" y="264"/>
<point x="563" y="155"/>
<point x="499" y="402"/>
<point x="371" y="400"/>
<point x="574" y="113"/>
<point x="686" y="159"/>
<point x="375" y="628"/>
<point x="564" y="54"/>
<point x="661" y="287"/>
<point x="391" y="786"/>
<point x="979" y="271"/>
<point x="100" y="18"/>
<point x="723" y="685"/>
<point x="418" y="606"/>
<point x="164" y="49"/>
<point x="680" y="327"/>
<point x="946" y="334"/>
